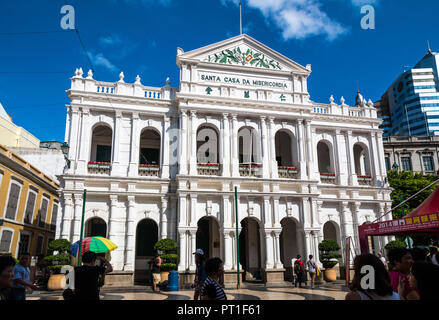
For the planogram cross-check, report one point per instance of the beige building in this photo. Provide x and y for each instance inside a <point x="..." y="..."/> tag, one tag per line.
<point x="12" y="135"/>
<point x="417" y="154"/>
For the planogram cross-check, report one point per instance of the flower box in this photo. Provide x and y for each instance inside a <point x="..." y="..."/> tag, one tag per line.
<point x="210" y="166"/>
<point x="149" y="167"/>
<point x="292" y="170"/>
<point x="99" y="165"/>
<point x="364" y="178"/>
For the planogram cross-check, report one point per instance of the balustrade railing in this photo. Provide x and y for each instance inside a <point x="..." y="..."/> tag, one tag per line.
<point x="208" y="169"/>
<point x="149" y="170"/>
<point x="99" y="167"/>
<point x="287" y="172"/>
<point x="330" y="178"/>
<point x="249" y="170"/>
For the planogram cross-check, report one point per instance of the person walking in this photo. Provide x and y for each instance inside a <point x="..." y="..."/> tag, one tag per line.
<point x="156" y="279"/>
<point x="424" y="277"/>
<point x="200" y="272"/>
<point x="22" y="278"/>
<point x="312" y="269"/>
<point x="211" y="290"/>
<point x="87" y="278"/>
<point x="7" y="264"/>
<point x="401" y="261"/>
<point x="299" y="270"/>
<point x="382" y="290"/>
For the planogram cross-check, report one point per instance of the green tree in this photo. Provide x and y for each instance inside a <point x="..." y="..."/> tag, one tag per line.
<point x="405" y="184"/>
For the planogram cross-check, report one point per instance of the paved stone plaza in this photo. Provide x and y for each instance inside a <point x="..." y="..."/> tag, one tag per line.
<point x="336" y="291"/>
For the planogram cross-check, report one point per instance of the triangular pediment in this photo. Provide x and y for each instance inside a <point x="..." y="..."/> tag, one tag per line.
<point x="243" y="51"/>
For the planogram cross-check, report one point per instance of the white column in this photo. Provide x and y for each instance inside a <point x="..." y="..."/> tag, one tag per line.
<point x="193" y="212"/>
<point x="272" y="142"/>
<point x="351" y="160"/>
<point x="382" y="162"/>
<point x="275" y="207"/>
<point x="235" y="147"/>
<point x="340" y="158"/>
<point x="182" y="264"/>
<point x="307" y="244"/>
<point x="84" y="142"/>
<point x="306" y="215"/>
<point x="374" y="159"/>
<point x="183" y="143"/>
<point x="164" y="219"/>
<point x="277" y="262"/>
<point x="228" y="251"/>
<point x="77" y="217"/>
<point x="67" y="217"/>
<point x="227" y="213"/>
<point x="74" y="136"/>
<point x="130" y="234"/>
<point x="116" y="144"/>
<point x="310" y="161"/>
<point x="314" y="214"/>
<point x="193" y="234"/>
<point x="355" y="215"/>
<point x="226" y="146"/>
<point x="316" y="248"/>
<point x="269" y="250"/>
<point x="381" y="213"/>
<point x="267" y="213"/>
<point x="182" y="208"/>
<point x="133" y="170"/>
<point x="265" y="151"/>
<point x="116" y="232"/>
<point x="319" y="205"/>
<point x="165" y="138"/>
<point x="193" y="155"/>
<point x="301" y="150"/>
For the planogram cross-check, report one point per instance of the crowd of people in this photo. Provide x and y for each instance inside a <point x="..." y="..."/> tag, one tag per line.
<point x="408" y="275"/>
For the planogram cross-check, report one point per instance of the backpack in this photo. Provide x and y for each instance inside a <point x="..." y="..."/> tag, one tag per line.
<point x="297" y="268"/>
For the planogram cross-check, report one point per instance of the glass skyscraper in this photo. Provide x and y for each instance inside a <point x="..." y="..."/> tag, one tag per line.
<point x="410" y="107"/>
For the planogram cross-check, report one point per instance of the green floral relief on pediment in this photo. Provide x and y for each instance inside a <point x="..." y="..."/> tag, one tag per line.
<point x="243" y="57"/>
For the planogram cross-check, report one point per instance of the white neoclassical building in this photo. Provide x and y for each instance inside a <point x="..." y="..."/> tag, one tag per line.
<point x="164" y="162"/>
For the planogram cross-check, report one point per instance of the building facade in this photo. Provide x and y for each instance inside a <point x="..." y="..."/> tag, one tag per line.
<point x="416" y="154"/>
<point x="164" y="163"/>
<point x="410" y="107"/>
<point x="29" y="205"/>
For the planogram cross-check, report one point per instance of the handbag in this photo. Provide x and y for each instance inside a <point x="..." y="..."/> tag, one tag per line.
<point x="317" y="270"/>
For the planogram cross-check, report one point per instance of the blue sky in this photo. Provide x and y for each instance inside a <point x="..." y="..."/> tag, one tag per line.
<point x="141" y="37"/>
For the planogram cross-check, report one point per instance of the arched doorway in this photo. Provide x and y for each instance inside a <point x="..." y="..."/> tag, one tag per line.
<point x="331" y="231"/>
<point x="208" y="237"/>
<point x="147" y="234"/>
<point x="291" y="244"/>
<point x="250" y="250"/>
<point x="361" y="157"/>
<point x="95" y="227"/>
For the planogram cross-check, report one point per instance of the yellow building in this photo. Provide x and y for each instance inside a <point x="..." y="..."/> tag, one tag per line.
<point x="29" y="205"/>
<point x="12" y="135"/>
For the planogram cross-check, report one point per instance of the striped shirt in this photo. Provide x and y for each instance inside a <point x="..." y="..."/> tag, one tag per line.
<point x="213" y="290"/>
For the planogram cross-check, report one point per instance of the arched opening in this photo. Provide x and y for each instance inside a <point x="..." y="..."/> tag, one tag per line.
<point x="324" y="158"/>
<point x="147" y="234"/>
<point x="95" y="227"/>
<point x="361" y="157"/>
<point x="250" y="250"/>
<point x="207" y="145"/>
<point x="284" y="150"/>
<point x="250" y="157"/>
<point x="331" y="231"/>
<point x="149" y="147"/>
<point x="101" y="144"/>
<point x="291" y="244"/>
<point x="208" y="237"/>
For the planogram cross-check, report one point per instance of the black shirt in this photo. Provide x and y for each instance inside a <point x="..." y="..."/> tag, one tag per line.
<point x="87" y="282"/>
<point x="155" y="266"/>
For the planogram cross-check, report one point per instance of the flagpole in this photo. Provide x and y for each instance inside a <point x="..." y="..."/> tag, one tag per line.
<point x="240" y="17"/>
<point x="82" y="227"/>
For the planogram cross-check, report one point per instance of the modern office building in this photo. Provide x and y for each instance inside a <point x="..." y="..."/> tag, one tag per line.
<point x="410" y="107"/>
<point x="164" y="163"/>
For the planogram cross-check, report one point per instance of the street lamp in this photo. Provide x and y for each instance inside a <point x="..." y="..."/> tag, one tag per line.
<point x="65" y="150"/>
<point x="395" y="167"/>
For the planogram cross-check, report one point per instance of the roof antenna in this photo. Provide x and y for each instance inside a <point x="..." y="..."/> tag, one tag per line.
<point x="240" y="17"/>
<point x="429" y="48"/>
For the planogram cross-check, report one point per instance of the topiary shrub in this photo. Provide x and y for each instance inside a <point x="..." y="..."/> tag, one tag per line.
<point x="396" y="244"/>
<point x="62" y="258"/>
<point x="329" y="253"/>
<point x="168" y="252"/>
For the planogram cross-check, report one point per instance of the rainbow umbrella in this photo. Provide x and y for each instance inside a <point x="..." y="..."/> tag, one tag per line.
<point x="94" y="244"/>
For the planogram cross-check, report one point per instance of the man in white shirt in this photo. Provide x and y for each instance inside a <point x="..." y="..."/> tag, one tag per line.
<point x="383" y="260"/>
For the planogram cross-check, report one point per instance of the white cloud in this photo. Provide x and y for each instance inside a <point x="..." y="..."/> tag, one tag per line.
<point x="110" y="40"/>
<point x="364" y="2"/>
<point x="100" y="60"/>
<point x="297" y="19"/>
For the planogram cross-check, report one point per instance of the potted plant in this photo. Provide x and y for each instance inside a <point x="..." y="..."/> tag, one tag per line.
<point x="167" y="249"/>
<point x="57" y="280"/>
<point x="395" y="244"/>
<point x="328" y="256"/>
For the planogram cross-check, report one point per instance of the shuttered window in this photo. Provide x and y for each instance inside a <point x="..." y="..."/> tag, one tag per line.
<point x="30" y="206"/>
<point x="43" y="213"/>
<point x="11" y="209"/>
<point x="5" y="241"/>
<point x="40" y="245"/>
<point x="53" y="219"/>
<point x="23" y="245"/>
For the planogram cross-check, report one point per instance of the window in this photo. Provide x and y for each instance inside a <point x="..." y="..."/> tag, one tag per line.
<point x="428" y="163"/>
<point x="406" y="164"/>
<point x="53" y="219"/>
<point x="43" y="212"/>
<point x="103" y="153"/>
<point x="23" y="245"/>
<point x="5" y="241"/>
<point x="149" y="156"/>
<point x="30" y="206"/>
<point x="14" y="194"/>
<point x="40" y="245"/>
<point x="387" y="163"/>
